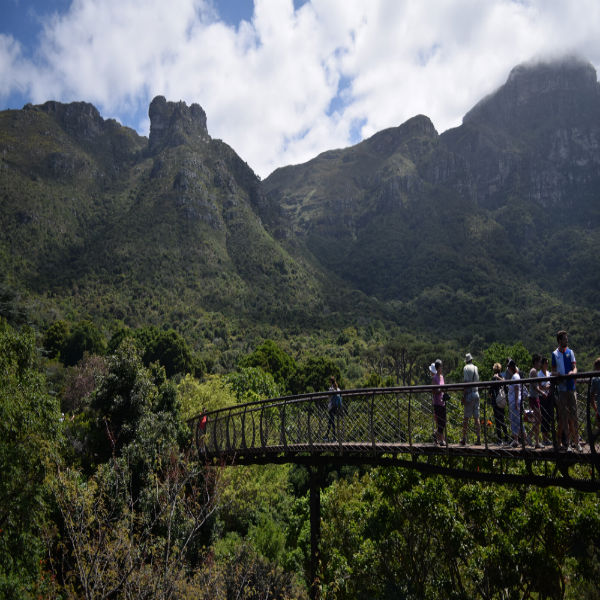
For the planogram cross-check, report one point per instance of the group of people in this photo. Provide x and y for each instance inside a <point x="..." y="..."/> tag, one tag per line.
<point x="512" y="393"/>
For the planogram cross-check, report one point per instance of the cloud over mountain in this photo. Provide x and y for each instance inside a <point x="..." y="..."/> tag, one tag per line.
<point x="295" y="79"/>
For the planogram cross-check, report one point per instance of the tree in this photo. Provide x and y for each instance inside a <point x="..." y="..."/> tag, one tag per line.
<point x="29" y="438"/>
<point x="271" y="359"/>
<point x="85" y="337"/>
<point x="127" y="393"/>
<point x="499" y="353"/>
<point x="170" y="349"/>
<point x="252" y="383"/>
<point x="313" y="375"/>
<point x="55" y="338"/>
<point x="118" y="547"/>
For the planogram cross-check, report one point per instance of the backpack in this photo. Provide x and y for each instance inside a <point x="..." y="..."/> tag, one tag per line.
<point x="501" y="398"/>
<point x="337" y="403"/>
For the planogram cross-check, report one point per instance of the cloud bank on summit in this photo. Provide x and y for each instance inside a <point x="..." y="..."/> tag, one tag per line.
<point x="282" y="81"/>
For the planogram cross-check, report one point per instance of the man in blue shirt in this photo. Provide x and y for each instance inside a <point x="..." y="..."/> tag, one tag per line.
<point x="563" y="363"/>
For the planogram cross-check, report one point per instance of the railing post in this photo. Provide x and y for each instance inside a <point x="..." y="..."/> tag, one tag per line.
<point x="410" y="419"/>
<point x="244" y="429"/>
<point x="399" y="422"/>
<point x="521" y="422"/>
<point x="339" y="422"/>
<point x="309" y="430"/>
<point x="227" y="440"/>
<point x="262" y="432"/>
<point x="485" y="421"/>
<point x="553" y="424"/>
<point x="590" y="427"/>
<point x="371" y="420"/>
<point x="216" y="445"/>
<point x="282" y="436"/>
<point x="315" y="532"/>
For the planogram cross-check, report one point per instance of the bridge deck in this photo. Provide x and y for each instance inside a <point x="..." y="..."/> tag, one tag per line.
<point x="384" y="425"/>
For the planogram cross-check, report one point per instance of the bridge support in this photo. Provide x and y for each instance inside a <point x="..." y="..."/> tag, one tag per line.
<point x="314" y="474"/>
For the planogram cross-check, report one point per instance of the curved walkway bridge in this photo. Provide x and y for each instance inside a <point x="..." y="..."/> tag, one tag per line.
<point x="394" y="426"/>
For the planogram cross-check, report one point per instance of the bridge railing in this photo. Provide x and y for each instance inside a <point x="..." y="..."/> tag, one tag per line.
<point x="394" y="419"/>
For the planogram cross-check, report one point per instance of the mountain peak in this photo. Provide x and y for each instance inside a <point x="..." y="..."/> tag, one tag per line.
<point x="80" y="119"/>
<point x="174" y="123"/>
<point x="539" y="88"/>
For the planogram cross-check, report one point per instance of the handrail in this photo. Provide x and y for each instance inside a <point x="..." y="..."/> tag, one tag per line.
<point x="395" y="424"/>
<point x="299" y="398"/>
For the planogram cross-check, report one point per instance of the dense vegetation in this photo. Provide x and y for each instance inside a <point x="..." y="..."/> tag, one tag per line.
<point x="109" y="499"/>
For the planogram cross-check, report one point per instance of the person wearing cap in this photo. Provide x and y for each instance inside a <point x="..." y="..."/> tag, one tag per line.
<point x="564" y="363"/>
<point x="470" y="400"/>
<point x="439" y="404"/>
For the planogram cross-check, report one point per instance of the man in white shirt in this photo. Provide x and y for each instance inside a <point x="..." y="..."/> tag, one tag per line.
<point x="470" y="399"/>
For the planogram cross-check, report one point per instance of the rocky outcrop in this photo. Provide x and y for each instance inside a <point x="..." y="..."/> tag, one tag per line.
<point x="79" y="119"/>
<point x="537" y="136"/>
<point x="540" y="92"/>
<point x="174" y="123"/>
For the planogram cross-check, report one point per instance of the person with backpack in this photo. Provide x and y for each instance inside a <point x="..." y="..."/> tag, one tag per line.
<point x="498" y="401"/>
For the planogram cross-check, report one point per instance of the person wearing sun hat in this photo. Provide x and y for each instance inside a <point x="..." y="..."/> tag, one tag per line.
<point x="470" y="399"/>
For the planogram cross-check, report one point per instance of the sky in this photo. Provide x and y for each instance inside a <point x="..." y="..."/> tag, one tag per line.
<point x="283" y="80"/>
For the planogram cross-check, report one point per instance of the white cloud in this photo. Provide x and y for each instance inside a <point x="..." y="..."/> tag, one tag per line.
<point x="267" y="85"/>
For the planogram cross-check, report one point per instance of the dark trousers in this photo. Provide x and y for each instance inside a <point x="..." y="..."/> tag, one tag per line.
<point x="331" y="422"/>
<point x="501" y="430"/>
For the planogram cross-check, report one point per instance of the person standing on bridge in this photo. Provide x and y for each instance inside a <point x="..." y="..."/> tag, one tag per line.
<point x="470" y="400"/>
<point x="498" y="397"/>
<point x="333" y="407"/>
<point x="514" y="402"/>
<point x="564" y="363"/>
<point x="439" y="404"/>
<point x="535" y="392"/>
<point x="546" y="403"/>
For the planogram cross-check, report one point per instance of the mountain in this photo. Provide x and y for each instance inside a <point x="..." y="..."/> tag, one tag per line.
<point x="488" y="231"/>
<point x="491" y="227"/>
<point x="103" y="222"/>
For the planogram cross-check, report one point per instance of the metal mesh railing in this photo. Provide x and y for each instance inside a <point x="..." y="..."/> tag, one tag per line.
<point x="380" y="420"/>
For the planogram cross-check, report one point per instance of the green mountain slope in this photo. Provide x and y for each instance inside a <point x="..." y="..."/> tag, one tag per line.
<point x="145" y="230"/>
<point x="488" y="231"/>
<point x="490" y="227"/>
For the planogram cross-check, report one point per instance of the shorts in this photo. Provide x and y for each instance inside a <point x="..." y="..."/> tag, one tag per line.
<point x="534" y="403"/>
<point x="471" y="407"/>
<point x="566" y="406"/>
